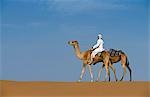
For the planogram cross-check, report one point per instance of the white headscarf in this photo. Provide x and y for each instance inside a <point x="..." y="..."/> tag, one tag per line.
<point x="100" y="36"/>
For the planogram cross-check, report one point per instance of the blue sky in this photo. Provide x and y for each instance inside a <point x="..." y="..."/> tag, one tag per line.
<point x="35" y="35"/>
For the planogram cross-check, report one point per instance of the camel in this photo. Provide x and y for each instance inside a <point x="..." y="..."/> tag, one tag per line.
<point x="114" y="59"/>
<point x="86" y="56"/>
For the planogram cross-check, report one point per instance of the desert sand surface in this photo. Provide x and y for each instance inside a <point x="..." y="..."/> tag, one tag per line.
<point x="74" y="89"/>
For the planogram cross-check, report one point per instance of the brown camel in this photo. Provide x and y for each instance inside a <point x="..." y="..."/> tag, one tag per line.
<point x="114" y="59"/>
<point x="86" y="56"/>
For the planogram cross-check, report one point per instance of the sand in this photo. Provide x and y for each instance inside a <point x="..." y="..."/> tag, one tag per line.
<point x="74" y="89"/>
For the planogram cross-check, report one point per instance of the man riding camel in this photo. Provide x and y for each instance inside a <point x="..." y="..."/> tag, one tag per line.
<point x="97" y="48"/>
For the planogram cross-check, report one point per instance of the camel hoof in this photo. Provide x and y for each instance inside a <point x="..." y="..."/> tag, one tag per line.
<point x="92" y="81"/>
<point x="79" y="80"/>
<point x="97" y="80"/>
<point x="105" y="80"/>
<point x="121" y="79"/>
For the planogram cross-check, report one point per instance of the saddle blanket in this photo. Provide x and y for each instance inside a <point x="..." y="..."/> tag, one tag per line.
<point x="114" y="52"/>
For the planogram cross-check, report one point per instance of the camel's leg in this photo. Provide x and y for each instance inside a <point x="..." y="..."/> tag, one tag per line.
<point x="90" y="70"/>
<point x="106" y="63"/>
<point x="128" y="67"/>
<point x="130" y="72"/>
<point x="107" y="72"/>
<point x="114" y="70"/>
<point x="124" y="64"/>
<point x="124" y="73"/>
<point x="109" y="75"/>
<point x="99" y="73"/>
<point x="82" y="72"/>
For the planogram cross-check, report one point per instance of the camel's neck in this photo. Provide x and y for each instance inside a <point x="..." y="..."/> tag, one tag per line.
<point x="77" y="51"/>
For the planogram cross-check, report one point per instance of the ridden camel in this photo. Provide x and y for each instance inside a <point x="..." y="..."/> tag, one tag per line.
<point x="114" y="59"/>
<point x="85" y="57"/>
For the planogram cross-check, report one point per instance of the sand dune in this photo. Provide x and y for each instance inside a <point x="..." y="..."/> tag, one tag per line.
<point x="74" y="89"/>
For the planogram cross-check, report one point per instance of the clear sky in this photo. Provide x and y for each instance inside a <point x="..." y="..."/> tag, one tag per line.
<point x="35" y="34"/>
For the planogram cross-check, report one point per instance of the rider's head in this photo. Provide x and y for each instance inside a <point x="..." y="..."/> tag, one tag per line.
<point x="99" y="36"/>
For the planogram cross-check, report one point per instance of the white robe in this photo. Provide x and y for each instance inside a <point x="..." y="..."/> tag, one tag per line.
<point x="98" y="47"/>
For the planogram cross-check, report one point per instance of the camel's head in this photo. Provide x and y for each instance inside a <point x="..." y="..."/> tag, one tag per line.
<point x="73" y="43"/>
